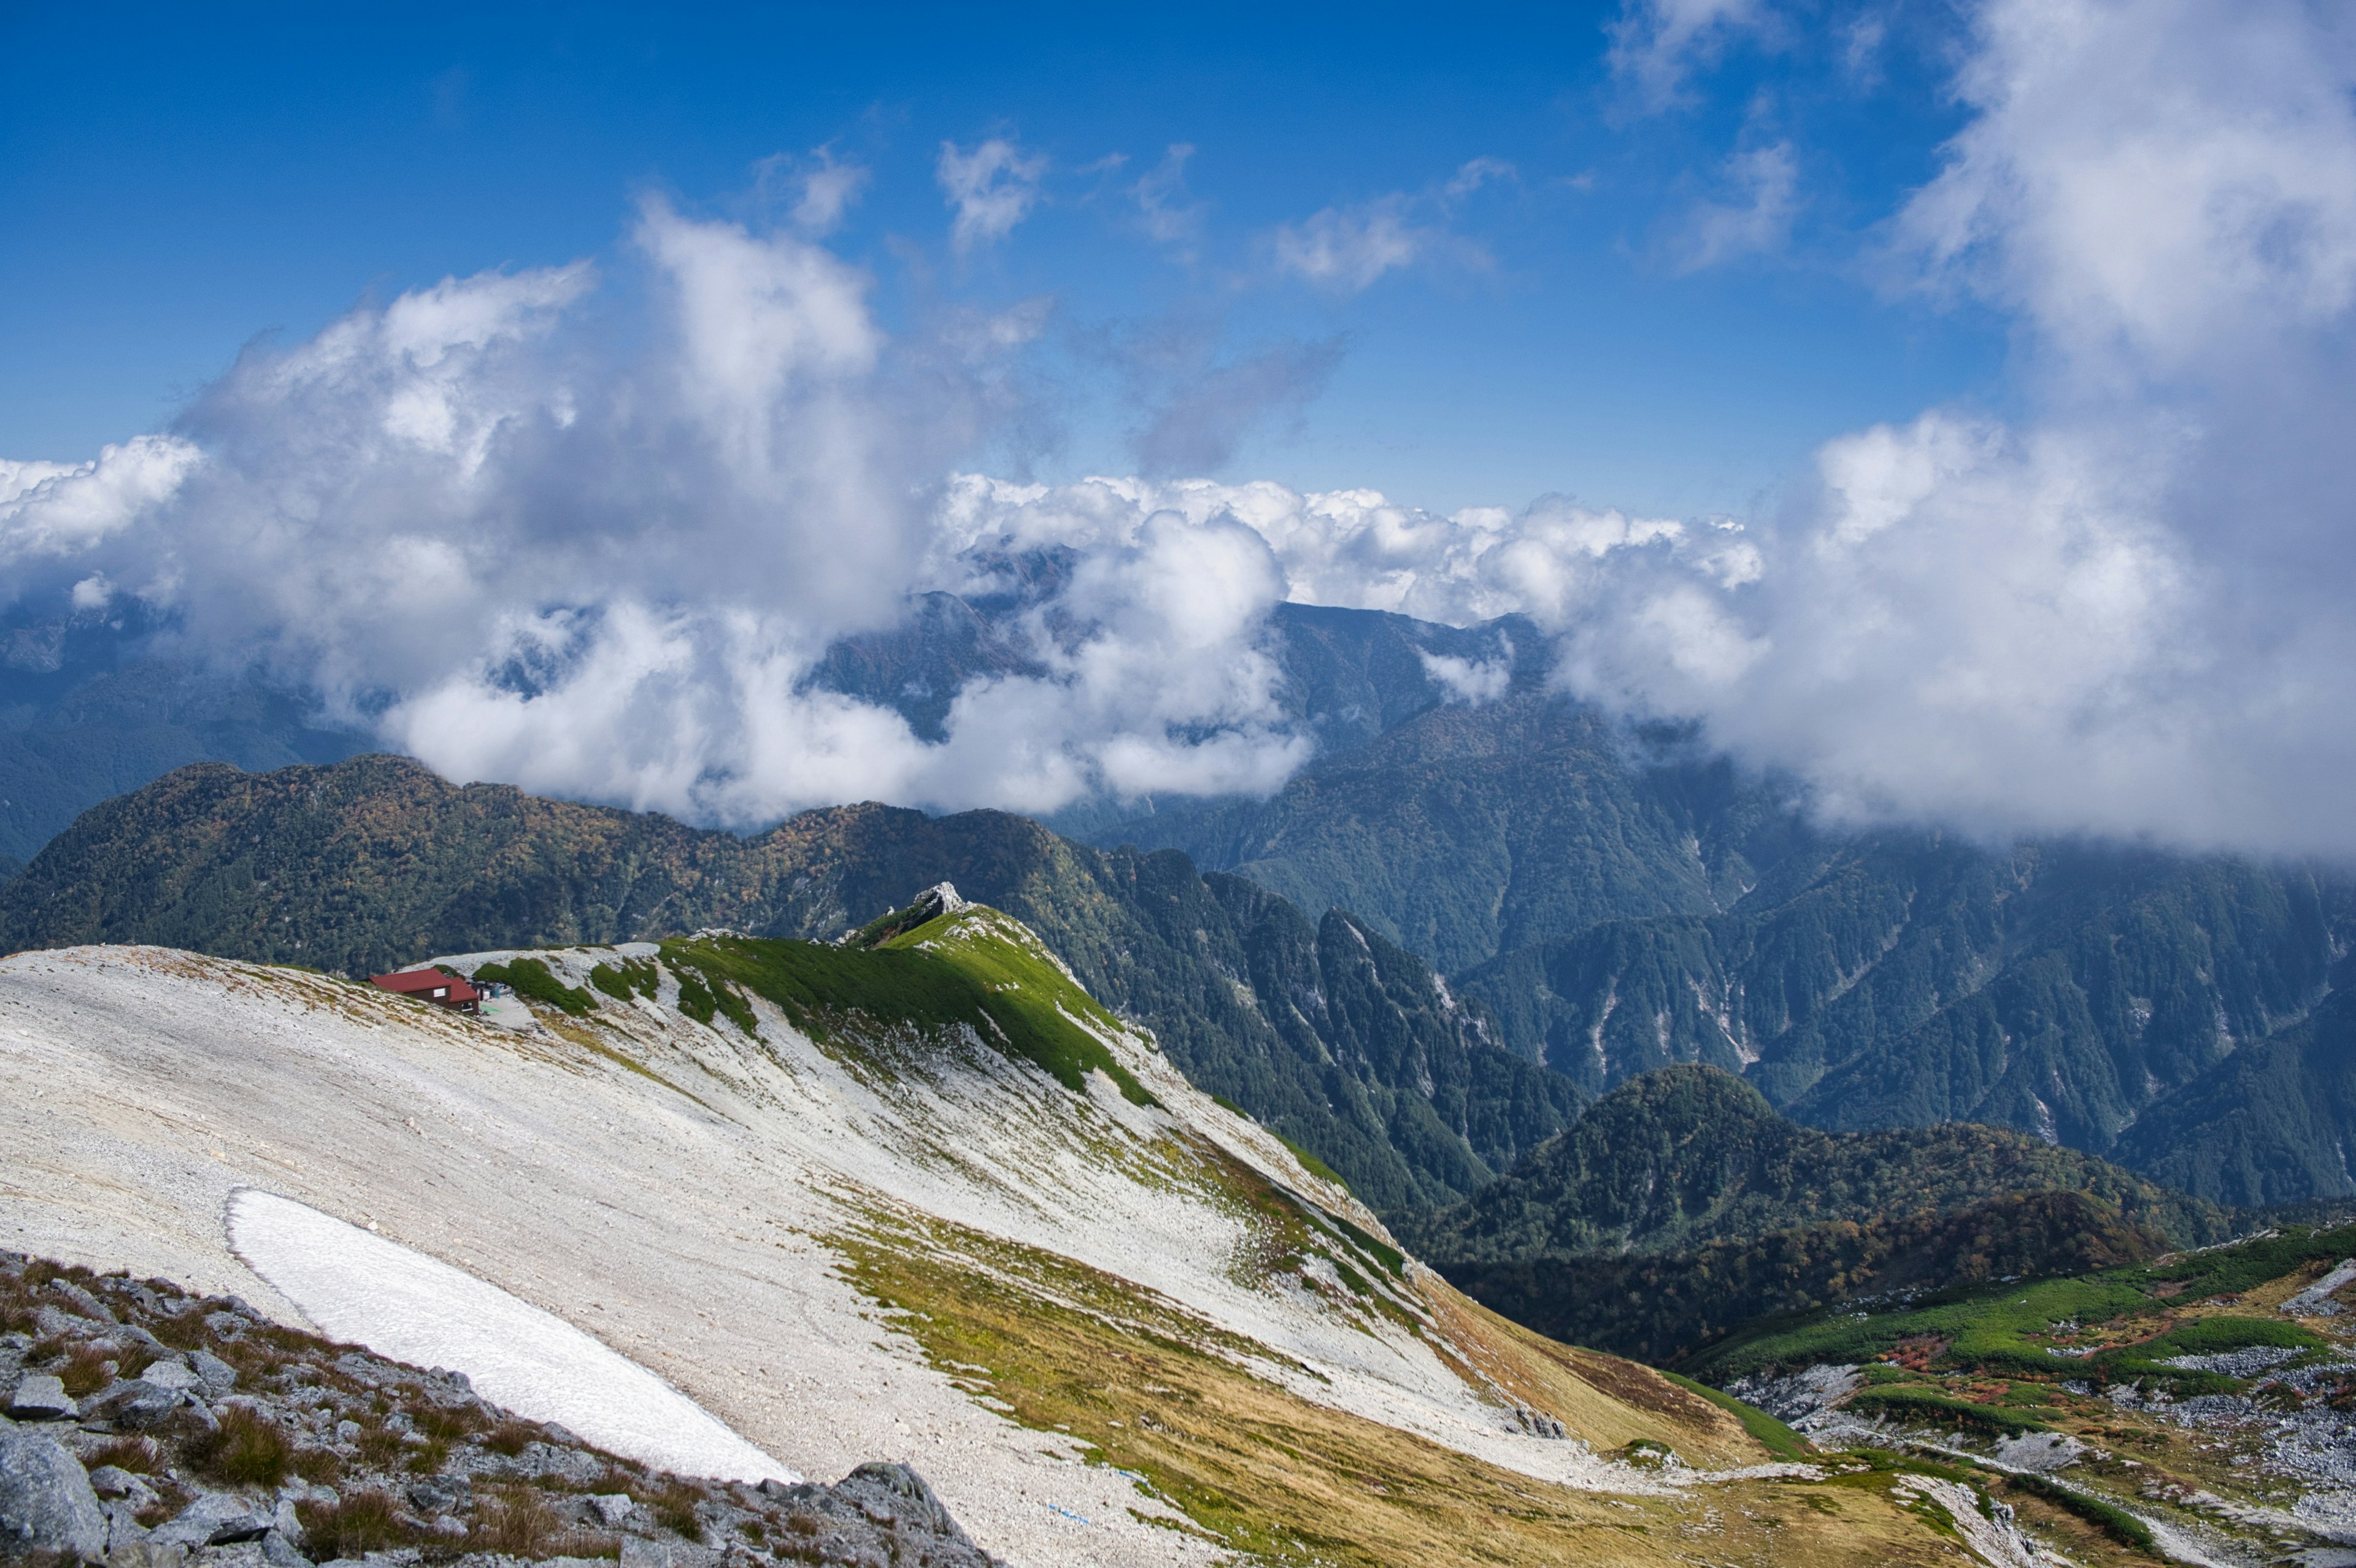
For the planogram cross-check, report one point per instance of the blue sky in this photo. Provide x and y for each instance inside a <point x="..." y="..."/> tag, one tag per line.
<point x="1563" y="329"/>
<point x="1945" y="400"/>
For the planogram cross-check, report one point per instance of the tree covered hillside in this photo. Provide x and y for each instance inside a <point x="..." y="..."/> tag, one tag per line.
<point x="1324" y="1029"/>
<point x="1688" y="1155"/>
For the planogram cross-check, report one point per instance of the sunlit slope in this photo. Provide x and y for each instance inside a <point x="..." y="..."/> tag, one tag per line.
<point x="918" y="1198"/>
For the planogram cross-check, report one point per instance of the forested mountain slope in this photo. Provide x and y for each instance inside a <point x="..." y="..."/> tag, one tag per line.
<point x="1686" y="1154"/>
<point x="1324" y="1029"/>
<point x="1681" y="1206"/>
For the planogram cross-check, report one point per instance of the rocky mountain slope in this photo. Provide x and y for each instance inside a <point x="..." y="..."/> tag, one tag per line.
<point x="2200" y="1407"/>
<point x="148" y="1425"/>
<point x="1323" y="1030"/>
<point x="917" y="1200"/>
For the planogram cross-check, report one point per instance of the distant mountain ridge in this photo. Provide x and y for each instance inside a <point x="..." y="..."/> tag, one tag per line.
<point x="1687" y="1155"/>
<point x="1324" y="1029"/>
<point x="1681" y="1206"/>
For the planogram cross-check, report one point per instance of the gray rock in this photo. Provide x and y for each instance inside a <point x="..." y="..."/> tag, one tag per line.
<point x="218" y="1374"/>
<point x="674" y="1553"/>
<point x="45" y="1503"/>
<point x="898" y="1492"/>
<point x="442" y="1494"/>
<point x="279" y="1551"/>
<point x="226" y="1325"/>
<point x="172" y="1375"/>
<point x="137" y="1405"/>
<point x="111" y="1481"/>
<point x="217" y="1518"/>
<point x="347" y="1431"/>
<point x="611" y="1507"/>
<point x="55" y="1322"/>
<point x="448" y="1526"/>
<point x="123" y="1526"/>
<point x="86" y="1304"/>
<point x="147" y="1553"/>
<point x="41" y="1397"/>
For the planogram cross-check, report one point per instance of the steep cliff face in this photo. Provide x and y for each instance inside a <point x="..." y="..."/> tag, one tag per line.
<point x="921" y="1199"/>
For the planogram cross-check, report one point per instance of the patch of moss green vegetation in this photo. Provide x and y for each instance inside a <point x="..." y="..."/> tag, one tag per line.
<point x="1920" y="1406"/>
<point x="961" y="968"/>
<point x="2116" y="1522"/>
<point x="530" y="979"/>
<point x="2017" y="1329"/>
<point x="1772" y="1435"/>
<point x="627" y="978"/>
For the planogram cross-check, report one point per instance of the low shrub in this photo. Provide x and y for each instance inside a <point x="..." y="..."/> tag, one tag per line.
<point x="247" y="1449"/>
<point x="136" y="1455"/>
<point x="516" y="1524"/>
<point x="86" y="1370"/>
<point x="352" y="1526"/>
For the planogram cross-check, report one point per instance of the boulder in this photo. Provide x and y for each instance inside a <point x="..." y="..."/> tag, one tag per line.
<point x="46" y="1501"/>
<point x="218" y="1374"/>
<point x="216" y="1519"/>
<point x="279" y="1551"/>
<point x="442" y="1494"/>
<point x="110" y="1481"/>
<point x="898" y="1492"/>
<point x="41" y="1397"/>
<point x="611" y="1507"/>
<point x="172" y="1374"/>
<point x="135" y="1405"/>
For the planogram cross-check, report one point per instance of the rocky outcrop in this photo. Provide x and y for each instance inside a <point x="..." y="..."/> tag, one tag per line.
<point x="152" y="1429"/>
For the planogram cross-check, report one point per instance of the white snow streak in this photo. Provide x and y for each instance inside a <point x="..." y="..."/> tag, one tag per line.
<point x="402" y="1303"/>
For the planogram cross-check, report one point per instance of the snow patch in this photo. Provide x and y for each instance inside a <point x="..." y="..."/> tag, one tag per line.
<point x="358" y="1287"/>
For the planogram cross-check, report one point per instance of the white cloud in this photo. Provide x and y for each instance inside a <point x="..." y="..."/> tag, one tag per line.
<point x="1758" y="221"/>
<point x="991" y="189"/>
<point x="1164" y="209"/>
<point x="55" y="509"/>
<point x="2127" y="613"/>
<point x="1656" y="42"/>
<point x="1346" y="249"/>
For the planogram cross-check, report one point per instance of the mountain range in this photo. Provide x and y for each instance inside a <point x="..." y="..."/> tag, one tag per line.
<point x="1600" y="900"/>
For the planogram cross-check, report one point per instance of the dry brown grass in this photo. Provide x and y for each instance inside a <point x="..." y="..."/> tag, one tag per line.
<point x="136" y="1455"/>
<point x="247" y="1450"/>
<point x="356" y="1524"/>
<point x="1265" y="1472"/>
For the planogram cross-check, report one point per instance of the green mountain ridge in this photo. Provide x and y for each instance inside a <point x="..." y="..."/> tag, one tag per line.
<point x="1688" y="1155"/>
<point x="1324" y="1030"/>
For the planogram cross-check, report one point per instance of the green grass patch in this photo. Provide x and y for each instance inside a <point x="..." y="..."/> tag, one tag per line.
<point x="1938" y="1410"/>
<point x="2116" y="1522"/>
<point x="530" y="979"/>
<point x="962" y="968"/>
<point x="627" y="977"/>
<point x="1772" y="1435"/>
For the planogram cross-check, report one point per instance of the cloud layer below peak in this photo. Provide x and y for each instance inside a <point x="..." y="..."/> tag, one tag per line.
<point x="468" y="519"/>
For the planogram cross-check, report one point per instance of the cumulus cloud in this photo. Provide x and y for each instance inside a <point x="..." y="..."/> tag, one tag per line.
<point x="819" y="189"/>
<point x="464" y="517"/>
<point x="2126" y="611"/>
<point x="462" y="521"/>
<point x="989" y="190"/>
<point x="1346" y="249"/>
